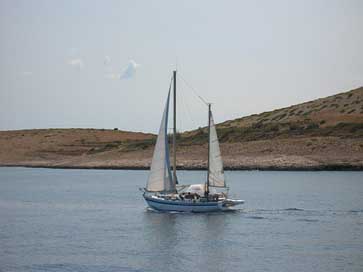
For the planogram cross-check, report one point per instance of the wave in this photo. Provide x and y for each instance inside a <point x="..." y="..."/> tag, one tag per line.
<point x="255" y="217"/>
<point x="308" y="220"/>
<point x="79" y="267"/>
<point x="276" y="210"/>
<point x="293" y="209"/>
<point x="355" y="211"/>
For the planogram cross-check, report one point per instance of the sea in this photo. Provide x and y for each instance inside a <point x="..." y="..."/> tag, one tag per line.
<point x="97" y="220"/>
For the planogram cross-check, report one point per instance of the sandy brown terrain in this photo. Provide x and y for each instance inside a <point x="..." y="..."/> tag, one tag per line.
<point x="298" y="153"/>
<point x="322" y="134"/>
<point x="64" y="147"/>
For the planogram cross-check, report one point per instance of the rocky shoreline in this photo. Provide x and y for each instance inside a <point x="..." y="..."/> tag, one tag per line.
<point x="320" y="135"/>
<point x="332" y="167"/>
<point x="94" y="149"/>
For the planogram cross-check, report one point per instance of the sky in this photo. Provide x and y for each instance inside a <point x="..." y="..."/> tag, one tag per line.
<point x="107" y="64"/>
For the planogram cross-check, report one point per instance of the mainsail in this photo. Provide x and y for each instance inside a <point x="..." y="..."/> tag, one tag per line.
<point x="216" y="174"/>
<point x="160" y="178"/>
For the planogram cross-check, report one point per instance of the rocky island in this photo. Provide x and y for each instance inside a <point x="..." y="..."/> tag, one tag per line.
<point x="323" y="134"/>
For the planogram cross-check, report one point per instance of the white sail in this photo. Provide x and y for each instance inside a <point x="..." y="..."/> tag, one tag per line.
<point x="160" y="178"/>
<point x="216" y="173"/>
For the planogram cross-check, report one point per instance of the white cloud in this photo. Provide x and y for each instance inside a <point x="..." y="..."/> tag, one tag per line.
<point x="127" y="73"/>
<point x="130" y="70"/>
<point x="76" y="62"/>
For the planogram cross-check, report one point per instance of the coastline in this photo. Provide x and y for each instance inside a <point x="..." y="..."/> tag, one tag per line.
<point x="332" y="167"/>
<point x="325" y="134"/>
<point x="119" y="150"/>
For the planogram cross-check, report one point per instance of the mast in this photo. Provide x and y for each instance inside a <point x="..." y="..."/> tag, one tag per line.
<point x="209" y="115"/>
<point x="174" y="131"/>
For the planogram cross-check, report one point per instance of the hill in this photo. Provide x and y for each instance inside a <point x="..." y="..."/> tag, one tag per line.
<point x="326" y="133"/>
<point x="339" y="115"/>
<point x="69" y="147"/>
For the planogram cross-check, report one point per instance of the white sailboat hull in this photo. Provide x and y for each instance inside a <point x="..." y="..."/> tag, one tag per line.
<point x="165" y="205"/>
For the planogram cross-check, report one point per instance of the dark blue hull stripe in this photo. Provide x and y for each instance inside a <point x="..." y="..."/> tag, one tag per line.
<point x="182" y="204"/>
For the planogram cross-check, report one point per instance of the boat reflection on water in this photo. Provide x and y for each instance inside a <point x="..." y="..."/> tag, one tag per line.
<point x="166" y="234"/>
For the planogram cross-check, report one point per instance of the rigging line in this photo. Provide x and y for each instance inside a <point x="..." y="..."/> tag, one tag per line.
<point x="186" y="107"/>
<point x="194" y="91"/>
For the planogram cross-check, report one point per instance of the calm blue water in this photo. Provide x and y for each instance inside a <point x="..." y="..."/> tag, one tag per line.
<point x="95" y="220"/>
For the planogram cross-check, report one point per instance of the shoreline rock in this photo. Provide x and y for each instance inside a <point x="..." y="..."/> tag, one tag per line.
<point x="332" y="167"/>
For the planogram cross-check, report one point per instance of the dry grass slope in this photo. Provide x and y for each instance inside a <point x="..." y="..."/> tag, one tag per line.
<point x="338" y="115"/>
<point x="326" y="133"/>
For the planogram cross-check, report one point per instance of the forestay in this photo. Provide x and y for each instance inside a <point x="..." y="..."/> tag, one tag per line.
<point x="216" y="173"/>
<point x="160" y="178"/>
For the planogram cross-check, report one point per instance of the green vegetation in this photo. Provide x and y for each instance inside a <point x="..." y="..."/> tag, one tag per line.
<point x="137" y="145"/>
<point x="334" y="105"/>
<point x="299" y="121"/>
<point x="266" y="131"/>
<point x="125" y="146"/>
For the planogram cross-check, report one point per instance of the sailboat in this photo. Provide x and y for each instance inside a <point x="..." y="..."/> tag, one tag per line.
<point x="163" y="191"/>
